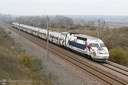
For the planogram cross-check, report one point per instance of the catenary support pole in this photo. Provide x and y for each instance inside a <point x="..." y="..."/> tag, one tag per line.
<point x="99" y="29"/>
<point x="47" y="55"/>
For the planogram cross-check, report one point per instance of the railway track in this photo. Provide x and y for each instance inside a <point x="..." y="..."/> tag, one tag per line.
<point x="120" y="69"/>
<point x="105" y="76"/>
<point x="117" y="66"/>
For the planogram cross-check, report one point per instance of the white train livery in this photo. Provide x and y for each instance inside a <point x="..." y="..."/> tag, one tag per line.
<point x="85" y="44"/>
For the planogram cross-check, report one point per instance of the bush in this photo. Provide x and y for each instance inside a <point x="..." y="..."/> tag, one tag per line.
<point x="36" y="64"/>
<point x="9" y="32"/>
<point x="33" y="63"/>
<point x="0" y="30"/>
<point x="5" y="35"/>
<point x="118" y="55"/>
<point x="26" y="60"/>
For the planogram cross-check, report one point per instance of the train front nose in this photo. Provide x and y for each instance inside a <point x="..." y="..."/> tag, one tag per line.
<point x="102" y="53"/>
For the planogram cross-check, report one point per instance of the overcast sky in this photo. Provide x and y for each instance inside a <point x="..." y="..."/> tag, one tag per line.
<point x="64" y="7"/>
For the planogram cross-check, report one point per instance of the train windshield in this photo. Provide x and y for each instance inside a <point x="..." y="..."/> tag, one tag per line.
<point x="97" y="44"/>
<point x="94" y="44"/>
<point x="102" y="45"/>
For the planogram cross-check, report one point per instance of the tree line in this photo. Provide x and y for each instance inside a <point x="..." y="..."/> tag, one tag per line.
<point x="56" y="21"/>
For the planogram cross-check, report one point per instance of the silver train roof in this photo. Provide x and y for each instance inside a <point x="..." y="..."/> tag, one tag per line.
<point x="85" y="37"/>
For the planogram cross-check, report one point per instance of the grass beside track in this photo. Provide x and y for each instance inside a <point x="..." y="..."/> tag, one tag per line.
<point x="15" y="64"/>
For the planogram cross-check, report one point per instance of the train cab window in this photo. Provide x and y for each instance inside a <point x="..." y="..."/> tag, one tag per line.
<point x="94" y="44"/>
<point x="102" y="45"/>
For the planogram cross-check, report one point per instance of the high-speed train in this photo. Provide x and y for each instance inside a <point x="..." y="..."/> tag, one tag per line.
<point x="85" y="44"/>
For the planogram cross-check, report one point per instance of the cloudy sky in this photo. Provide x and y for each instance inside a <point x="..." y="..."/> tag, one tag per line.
<point x="64" y="7"/>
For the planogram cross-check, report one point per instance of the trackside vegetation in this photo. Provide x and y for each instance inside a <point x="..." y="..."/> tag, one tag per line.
<point x="118" y="55"/>
<point x="15" y="64"/>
